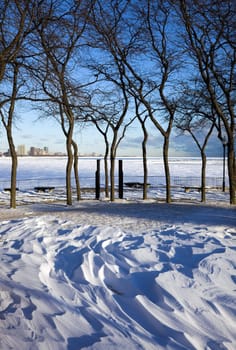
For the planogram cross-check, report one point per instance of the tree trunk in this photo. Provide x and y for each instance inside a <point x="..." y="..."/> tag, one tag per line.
<point x="69" y="167"/>
<point x="106" y="170"/>
<point x="231" y="172"/>
<point x="106" y="177"/>
<point x="76" y="172"/>
<point x="145" y="168"/>
<point x="112" y="178"/>
<point x="2" y="66"/>
<point x="112" y="165"/>
<point x="13" y="170"/>
<point x="203" y="177"/>
<point x="167" y="169"/>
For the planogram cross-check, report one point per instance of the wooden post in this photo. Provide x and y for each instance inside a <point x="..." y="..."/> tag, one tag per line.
<point x="97" y="180"/>
<point x="120" y="178"/>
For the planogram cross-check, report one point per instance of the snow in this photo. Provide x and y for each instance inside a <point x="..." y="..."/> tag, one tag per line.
<point x="129" y="275"/>
<point x="52" y="169"/>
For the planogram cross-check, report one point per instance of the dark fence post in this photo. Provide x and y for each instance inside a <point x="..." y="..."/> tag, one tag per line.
<point x="97" y="180"/>
<point x="120" y="178"/>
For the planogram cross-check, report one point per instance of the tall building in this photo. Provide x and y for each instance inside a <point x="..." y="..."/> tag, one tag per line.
<point x="45" y="149"/>
<point x="21" y="150"/>
<point x="35" y="151"/>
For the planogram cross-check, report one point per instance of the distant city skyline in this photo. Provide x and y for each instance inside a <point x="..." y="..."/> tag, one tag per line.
<point x="32" y="151"/>
<point x="35" y="151"/>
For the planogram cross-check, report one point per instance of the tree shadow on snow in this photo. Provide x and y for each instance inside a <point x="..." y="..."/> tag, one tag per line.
<point x="174" y="213"/>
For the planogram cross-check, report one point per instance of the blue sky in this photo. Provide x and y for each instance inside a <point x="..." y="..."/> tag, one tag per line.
<point x="47" y="133"/>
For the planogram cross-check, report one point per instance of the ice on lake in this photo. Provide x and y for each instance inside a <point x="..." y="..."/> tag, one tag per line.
<point x="50" y="171"/>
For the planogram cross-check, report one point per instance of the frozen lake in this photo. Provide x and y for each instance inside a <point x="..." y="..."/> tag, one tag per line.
<point x="33" y="171"/>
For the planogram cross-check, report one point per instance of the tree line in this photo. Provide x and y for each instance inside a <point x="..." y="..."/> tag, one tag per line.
<point x="108" y="63"/>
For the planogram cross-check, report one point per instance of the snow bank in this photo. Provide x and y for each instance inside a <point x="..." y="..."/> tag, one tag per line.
<point x="124" y="275"/>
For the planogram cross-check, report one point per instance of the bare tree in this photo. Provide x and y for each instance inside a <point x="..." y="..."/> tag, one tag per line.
<point x="61" y="35"/>
<point x="196" y="117"/>
<point x="15" y="28"/>
<point x="109" y="117"/>
<point x="130" y="39"/>
<point x="154" y="84"/>
<point x="210" y="30"/>
<point x="142" y="118"/>
<point x="7" y="110"/>
<point x="104" y="32"/>
<point x="115" y="119"/>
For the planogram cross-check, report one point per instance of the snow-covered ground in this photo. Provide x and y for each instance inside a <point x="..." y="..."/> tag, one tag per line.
<point x="129" y="275"/>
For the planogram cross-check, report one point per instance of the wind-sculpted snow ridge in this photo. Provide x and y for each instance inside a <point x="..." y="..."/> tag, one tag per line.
<point x="64" y="285"/>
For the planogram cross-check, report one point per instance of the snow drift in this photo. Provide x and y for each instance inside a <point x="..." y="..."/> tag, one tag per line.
<point x="124" y="275"/>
